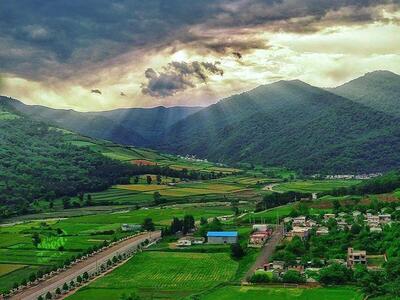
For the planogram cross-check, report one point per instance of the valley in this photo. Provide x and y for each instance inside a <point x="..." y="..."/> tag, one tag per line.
<point x="69" y="194"/>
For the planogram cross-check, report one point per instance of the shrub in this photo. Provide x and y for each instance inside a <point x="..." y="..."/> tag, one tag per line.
<point x="259" y="278"/>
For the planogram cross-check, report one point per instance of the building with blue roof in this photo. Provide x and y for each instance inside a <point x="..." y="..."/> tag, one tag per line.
<point x="222" y="237"/>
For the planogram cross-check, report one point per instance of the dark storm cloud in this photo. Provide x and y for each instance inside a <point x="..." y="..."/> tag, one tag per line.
<point x="178" y="76"/>
<point x="42" y="39"/>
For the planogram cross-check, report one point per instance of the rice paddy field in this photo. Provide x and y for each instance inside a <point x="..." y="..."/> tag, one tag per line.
<point x="162" y="275"/>
<point x="313" y="186"/>
<point x="275" y="293"/>
<point x="63" y="238"/>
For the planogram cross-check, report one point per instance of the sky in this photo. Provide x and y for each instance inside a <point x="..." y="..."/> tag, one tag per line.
<point x="97" y="55"/>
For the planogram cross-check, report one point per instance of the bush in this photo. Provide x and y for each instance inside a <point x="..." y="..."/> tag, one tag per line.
<point x="293" y="276"/>
<point x="237" y="251"/>
<point x="259" y="278"/>
<point x="335" y="274"/>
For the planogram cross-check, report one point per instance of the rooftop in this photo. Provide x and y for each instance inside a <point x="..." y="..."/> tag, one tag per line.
<point x="222" y="233"/>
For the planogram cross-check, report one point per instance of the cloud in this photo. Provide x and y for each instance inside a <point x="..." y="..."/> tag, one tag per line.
<point x="96" y="91"/>
<point x="65" y="36"/>
<point x="178" y="76"/>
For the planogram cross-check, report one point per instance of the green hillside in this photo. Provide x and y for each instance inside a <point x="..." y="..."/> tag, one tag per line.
<point x="291" y="124"/>
<point x="36" y="161"/>
<point x="132" y="126"/>
<point x="379" y="90"/>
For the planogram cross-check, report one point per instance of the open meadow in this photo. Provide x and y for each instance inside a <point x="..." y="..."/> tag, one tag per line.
<point x="276" y="293"/>
<point x="314" y="186"/>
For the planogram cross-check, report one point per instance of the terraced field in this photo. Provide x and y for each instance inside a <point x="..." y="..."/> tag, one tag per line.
<point x="163" y="275"/>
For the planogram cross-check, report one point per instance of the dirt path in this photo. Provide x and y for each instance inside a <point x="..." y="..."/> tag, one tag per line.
<point x="90" y="265"/>
<point x="269" y="187"/>
<point x="266" y="251"/>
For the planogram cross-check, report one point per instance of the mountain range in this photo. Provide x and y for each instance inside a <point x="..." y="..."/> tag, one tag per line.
<point x="353" y="128"/>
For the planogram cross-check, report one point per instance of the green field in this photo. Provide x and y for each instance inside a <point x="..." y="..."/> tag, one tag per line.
<point x="274" y="293"/>
<point x="313" y="186"/>
<point x="78" y="234"/>
<point x="162" y="275"/>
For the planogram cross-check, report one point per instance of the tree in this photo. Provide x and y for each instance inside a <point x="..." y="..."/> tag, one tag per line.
<point x="32" y="277"/>
<point x="65" y="287"/>
<point x="158" y="179"/>
<point x="49" y="295"/>
<point x="176" y="225"/>
<point x="259" y="278"/>
<point x="66" y="202"/>
<point x="72" y="284"/>
<point x="237" y="251"/>
<point x="79" y="279"/>
<point x="335" y="274"/>
<point x="36" y="240"/>
<point x="149" y="179"/>
<point x="136" y="180"/>
<point x="293" y="276"/>
<point x="40" y="298"/>
<point x="336" y="206"/>
<point x="188" y="223"/>
<point x="58" y="291"/>
<point x="203" y="221"/>
<point x="148" y="224"/>
<point x="157" y="198"/>
<point x="85" y="276"/>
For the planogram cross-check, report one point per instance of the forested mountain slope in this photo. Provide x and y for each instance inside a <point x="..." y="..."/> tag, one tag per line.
<point x="379" y="90"/>
<point x="37" y="162"/>
<point x="133" y="126"/>
<point x="291" y="124"/>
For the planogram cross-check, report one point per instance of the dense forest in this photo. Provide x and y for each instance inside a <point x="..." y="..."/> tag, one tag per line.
<point x="37" y="163"/>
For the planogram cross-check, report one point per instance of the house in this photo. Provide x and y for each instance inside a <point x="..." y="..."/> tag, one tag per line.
<point x="342" y="225"/>
<point x="301" y="232"/>
<point x="131" y="227"/>
<point x="375" y="229"/>
<point x="275" y="265"/>
<point x="287" y="220"/>
<point x="260" y="227"/>
<point x="222" y="237"/>
<point x="184" y="241"/>
<point x="356" y="257"/>
<point x="258" y="238"/>
<point x="189" y="240"/>
<point x="356" y="213"/>
<point x="311" y="223"/>
<point x="329" y="216"/>
<point x="322" y="231"/>
<point x="373" y="221"/>
<point x="299" y="221"/>
<point x="385" y="218"/>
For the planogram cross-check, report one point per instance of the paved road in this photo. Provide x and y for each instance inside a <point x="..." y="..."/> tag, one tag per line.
<point x="266" y="251"/>
<point x="89" y="265"/>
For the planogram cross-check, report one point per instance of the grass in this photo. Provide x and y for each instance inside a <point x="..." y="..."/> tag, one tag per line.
<point x="8" y="268"/>
<point x="275" y="293"/>
<point x="314" y="186"/>
<point x="165" y="275"/>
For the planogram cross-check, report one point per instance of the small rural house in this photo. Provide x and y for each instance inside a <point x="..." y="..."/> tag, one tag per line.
<point x="222" y="237"/>
<point x="301" y="232"/>
<point x="322" y="231"/>
<point x="356" y="257"/>
<point x="259" y="238"/>
<point x="299" y="221"/>
<point x="189" y="240"/>
<point x="260" y="227"/>
<point x="131" y="227"/>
